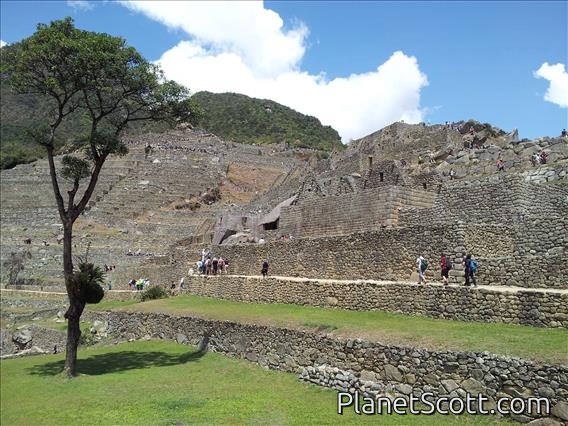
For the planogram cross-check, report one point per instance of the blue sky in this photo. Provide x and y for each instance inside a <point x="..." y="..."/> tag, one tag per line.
<point x="357" y="66"/>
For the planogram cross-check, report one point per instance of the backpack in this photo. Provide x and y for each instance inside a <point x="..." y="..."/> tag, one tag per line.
<point x="448" y="263"/>
<point x="423" y="265"/>
<point x="473" y="265"/>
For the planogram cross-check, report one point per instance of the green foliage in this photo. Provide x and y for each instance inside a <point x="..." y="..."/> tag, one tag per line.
<point x="82" y="89"/>
<point x="260" y="121"/>
<point x="87" y="338"/>
<point x="15" y="264"/>
<point x="74" y="168"/>
<point x="152" y="293"/>
<point x="88" y="279"/>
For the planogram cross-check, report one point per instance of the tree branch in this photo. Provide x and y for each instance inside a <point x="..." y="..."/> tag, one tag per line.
<point x="71" y="195"/>
<point x="55" y="184"/>
<point x="90" y="188"/>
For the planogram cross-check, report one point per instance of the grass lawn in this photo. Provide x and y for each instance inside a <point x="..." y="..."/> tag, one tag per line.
<point x="539" y="344"/>
<point x="163" y="383"/>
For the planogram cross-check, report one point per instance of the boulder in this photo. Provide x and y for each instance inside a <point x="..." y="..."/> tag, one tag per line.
<point x="392" y="373"/>
<point x="181" y="338"/>
<point x="560" y="410"/>
<point x="22" y="338"/>
<point x="472" y="386"/>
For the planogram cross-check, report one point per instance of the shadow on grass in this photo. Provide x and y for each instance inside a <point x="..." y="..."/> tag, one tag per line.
<point x="117" y="361"/>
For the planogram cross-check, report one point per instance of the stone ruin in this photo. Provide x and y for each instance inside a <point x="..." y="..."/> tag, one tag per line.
<point x="353" y="218"/>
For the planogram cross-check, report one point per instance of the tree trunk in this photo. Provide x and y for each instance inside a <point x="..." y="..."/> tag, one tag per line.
<point x="73" y="335"/>
<point x="73" y="314"/>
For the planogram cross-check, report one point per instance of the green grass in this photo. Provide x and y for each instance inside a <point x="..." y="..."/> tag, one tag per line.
<point x="105" y="305"/>
<point x="538" y="344"/>
<point x="162" y="383"/>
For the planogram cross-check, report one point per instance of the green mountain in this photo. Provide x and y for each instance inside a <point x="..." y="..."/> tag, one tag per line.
<point x="261" y="121"/>
<point x="229" y="116"/>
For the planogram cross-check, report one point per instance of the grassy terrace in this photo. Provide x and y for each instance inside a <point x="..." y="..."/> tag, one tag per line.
<point x="538" y="344"/>
<point x="163" y="383"/>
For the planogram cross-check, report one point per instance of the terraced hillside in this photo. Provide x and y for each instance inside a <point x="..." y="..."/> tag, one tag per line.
<point x="153" y="214"/>
<point x="341" y="234"/>
<point x="141" y="204"/>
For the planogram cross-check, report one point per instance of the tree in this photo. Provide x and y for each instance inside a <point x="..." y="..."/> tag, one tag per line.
<point x="15" y="265"/>
<point x="106" y="85"/>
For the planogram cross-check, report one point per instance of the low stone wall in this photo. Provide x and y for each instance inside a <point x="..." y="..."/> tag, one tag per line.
<point x="9" y="295"/>
<point x="404" y="370"/>
<point x="535" y="308"/>
<point x="42" y="339"/>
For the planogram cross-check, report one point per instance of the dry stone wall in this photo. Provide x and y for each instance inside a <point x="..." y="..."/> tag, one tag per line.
<point x="507" y="255"/>
<point x="495" y="199"/>
<point x="355" y="212"/>
<point x="535" y="308"/>
<point x="380" y="254"/>
<point x="403" y="370"/>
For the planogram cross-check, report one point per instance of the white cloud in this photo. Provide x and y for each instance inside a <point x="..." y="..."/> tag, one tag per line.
<point x="557" y="91"/>
<point x="2" y="43"/>
<point x="244" y="48"/>
<point x="80" y="4"/>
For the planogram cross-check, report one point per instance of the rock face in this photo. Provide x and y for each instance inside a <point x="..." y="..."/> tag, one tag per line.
<point x="351" y="365"/>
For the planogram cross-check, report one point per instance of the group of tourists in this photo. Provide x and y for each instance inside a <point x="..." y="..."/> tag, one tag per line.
<point x="539" y="158"/>
<point x="468" y="262"/>
<point x="138" y="253"/>
<point x="139" y="284"/>
<point x="210" y="265"/>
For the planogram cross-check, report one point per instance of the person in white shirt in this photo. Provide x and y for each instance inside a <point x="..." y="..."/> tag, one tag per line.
<point x="421" y="265"/>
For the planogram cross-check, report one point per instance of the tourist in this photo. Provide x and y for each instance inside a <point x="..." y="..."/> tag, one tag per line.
<point x="470" y="270"/>
<point x="208" y="266"/>
<point x="422" y="265"/>
<point x="500" y="165"/>
<point x="264" y="269"/>
<point x="182" y="281"/>
<point x="132" y="284"/>
<point x="445" y="265"/>
<point x="543" y="157"/>
<point x="140" y="284"/>
<point x="214" y="265"/>
<point x="221" y="265"/>
<point x="147" y="150"/>
<point x="564" y="133"/>
<point x="452" y="174"/>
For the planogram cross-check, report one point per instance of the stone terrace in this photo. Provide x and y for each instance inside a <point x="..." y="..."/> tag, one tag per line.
<point x="134" y="204"/>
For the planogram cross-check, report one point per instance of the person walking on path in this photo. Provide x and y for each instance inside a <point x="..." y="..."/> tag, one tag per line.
<point x="264" y="269"/>
<point x="470" y="270"/>
<point x="422" y="265"/>
<point x="445" y="265"/>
